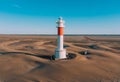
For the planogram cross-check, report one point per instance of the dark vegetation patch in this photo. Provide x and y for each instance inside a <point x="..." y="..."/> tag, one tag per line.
<point x="65" y="46"/>
<point x="71" y="56"/>
<point x="89" y="54"/>
<point x="46" y="57"/>
<point x="86" y="53"/>
<point x="94" y="46"/>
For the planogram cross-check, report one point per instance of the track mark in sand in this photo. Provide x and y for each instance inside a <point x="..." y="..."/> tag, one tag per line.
<point x="39" y="67"/>
<point x="73" y="46"/>
<point x="15" y="46"/>
<point x="22" y="42"/>
<point x="98" y="51"/>
<point x="95" y="50"/>
<point x="88" y="39"/>
<point x="117" y="48"/>
<point x="5" y="45"/>
<point x="54" y="43"/>
<point x="109" y="49"/>
<point x="97" y="47"/>
<point x="40" y="44"/>
<point x="9" y="47"/>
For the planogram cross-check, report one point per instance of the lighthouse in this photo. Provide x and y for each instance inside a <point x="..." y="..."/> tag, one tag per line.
<point x="60" y="52"/>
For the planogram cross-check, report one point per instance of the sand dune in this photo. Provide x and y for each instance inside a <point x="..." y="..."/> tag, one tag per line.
<point x="28" y="59"/>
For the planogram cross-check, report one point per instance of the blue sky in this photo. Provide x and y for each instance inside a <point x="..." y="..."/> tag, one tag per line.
<point x="39" y="16"/>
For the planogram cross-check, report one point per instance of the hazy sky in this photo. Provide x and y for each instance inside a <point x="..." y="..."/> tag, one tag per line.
<point x="39" y="16"/>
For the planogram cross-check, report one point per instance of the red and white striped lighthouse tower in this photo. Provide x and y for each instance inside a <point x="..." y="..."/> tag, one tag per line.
<point x="60" y="52"/>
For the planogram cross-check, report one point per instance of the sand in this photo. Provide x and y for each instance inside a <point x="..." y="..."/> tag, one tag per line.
<point x="28" y="59"/>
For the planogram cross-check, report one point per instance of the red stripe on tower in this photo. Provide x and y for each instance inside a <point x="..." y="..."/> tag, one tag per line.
<point x="60" y="31"/>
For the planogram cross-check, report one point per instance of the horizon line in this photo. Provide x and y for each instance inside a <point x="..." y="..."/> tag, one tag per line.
<point x="65" y="34"/>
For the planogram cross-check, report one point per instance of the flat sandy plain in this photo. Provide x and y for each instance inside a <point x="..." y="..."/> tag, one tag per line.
<point x="28" y="59"/>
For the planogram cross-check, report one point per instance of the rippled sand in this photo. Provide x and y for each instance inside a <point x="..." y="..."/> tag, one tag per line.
<point x="28" y="59"/>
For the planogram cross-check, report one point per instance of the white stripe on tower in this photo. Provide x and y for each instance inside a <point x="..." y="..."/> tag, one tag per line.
<point x="60" y="42"/>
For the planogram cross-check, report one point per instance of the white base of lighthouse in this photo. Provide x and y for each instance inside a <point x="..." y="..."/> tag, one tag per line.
<point x="60" y="54"/>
